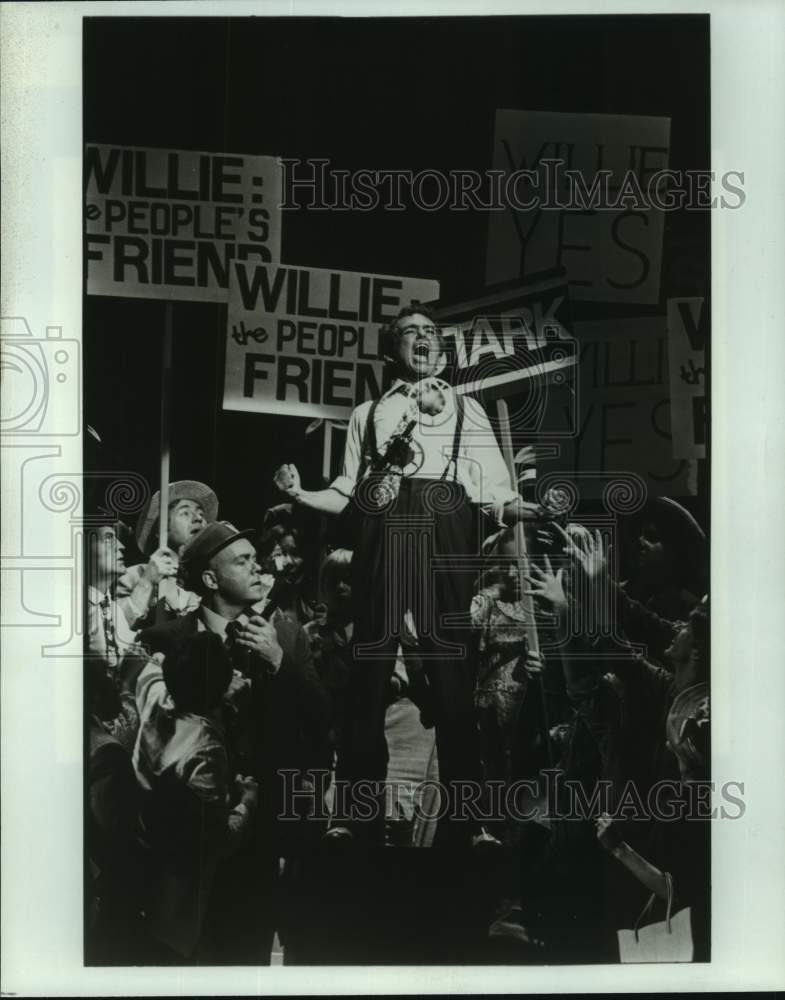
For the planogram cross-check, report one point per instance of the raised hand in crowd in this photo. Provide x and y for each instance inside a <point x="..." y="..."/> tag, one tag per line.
<point x="587" y="550"/>
<point x="161" y="565"/>
<point x="135" y="590"/>
<point x="328" y="501"/>
<point x="590" y="578"/>
<point x="548" y="586"/>
<point x="287" y="479"/>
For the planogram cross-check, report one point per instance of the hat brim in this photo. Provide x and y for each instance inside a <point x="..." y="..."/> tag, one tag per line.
<point x="183" y="489"/>
<point x="247" y="533"/>
<point x="684" y="535"/>
<point x="678" y="518"/>
<point x="189" y="567"/>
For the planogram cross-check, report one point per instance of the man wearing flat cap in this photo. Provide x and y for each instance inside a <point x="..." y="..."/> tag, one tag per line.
<point x="291" y="708"/>
<point x="219" y="565"/>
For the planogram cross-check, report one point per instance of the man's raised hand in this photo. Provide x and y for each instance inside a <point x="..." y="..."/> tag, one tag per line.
<point x="287" y="479"/>
<point x="161" y="565"/>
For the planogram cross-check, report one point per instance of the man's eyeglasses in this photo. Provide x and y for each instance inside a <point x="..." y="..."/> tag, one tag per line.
<point x="434" y="330"/>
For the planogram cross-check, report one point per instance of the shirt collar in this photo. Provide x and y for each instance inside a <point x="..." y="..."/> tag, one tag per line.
<point x="423" y="418"/>
<point x="94" y="595"/>
<point x="214" y="622"/>
<point x="394" y="388"/>
<point x="396" y="385"/>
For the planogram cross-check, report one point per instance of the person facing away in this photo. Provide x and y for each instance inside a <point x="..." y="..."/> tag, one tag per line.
<point x="193" y="811"/>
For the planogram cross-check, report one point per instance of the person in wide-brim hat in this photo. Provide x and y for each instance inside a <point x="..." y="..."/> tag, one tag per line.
<point x="186" y="495"/>
<point x="670" y="557"/>
<point x="150" y="591"/>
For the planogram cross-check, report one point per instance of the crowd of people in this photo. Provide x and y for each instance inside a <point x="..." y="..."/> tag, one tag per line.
<point x="270" y="715"/>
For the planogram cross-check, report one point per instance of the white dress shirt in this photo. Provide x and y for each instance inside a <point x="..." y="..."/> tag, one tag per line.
<point x="481" y="469"/>
<point x="96" y="631"/>
<point x="211" y="621"/>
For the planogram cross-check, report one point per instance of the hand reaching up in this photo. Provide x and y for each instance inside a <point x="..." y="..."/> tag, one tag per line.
<point x="162" y="565"/>
<point x="547" y="586"/>
<point x="587" y="551"/>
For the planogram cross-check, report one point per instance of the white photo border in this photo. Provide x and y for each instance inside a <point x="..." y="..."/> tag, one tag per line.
<point x="41" y="696"/>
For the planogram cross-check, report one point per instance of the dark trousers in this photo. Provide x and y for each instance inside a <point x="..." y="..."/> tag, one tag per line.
<point x="408" y="557"/>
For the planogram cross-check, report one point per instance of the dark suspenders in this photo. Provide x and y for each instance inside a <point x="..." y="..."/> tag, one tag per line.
<point x="368" y="446"/>
<point x="456" y="439"/>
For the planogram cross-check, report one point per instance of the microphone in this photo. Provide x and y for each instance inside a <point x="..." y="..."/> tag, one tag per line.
<point x="276" y="598"/>
<point x="242" y="658"/>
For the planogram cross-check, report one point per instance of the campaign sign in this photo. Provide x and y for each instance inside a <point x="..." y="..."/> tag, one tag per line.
<point x="515" y="341"/>
<point x="169" y="223"/>
<point x="576" y="191"/>
<point x="304" y="341"/>
<point x="624" y="415"/>
<point x="687" y="334"/>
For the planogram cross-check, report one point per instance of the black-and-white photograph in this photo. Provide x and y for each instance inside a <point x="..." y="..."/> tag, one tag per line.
<point x="396" y="357"/>
<point x="372" y="475"/>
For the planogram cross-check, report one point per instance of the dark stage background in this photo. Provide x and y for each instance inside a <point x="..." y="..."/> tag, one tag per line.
<point x="372" y="93"/>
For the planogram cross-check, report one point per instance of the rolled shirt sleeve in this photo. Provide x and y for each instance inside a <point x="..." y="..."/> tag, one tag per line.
<point x="346" y="482"/>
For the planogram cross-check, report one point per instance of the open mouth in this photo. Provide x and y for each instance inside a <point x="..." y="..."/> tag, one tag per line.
<point x="421" y="351"/>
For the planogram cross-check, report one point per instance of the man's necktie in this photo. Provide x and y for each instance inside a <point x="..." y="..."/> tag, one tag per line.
<point x="110" y="634"/>
<point x="240" y="655"/>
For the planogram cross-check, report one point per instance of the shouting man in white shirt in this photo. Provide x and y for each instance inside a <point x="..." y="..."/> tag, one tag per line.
<point x="419" y="464"/>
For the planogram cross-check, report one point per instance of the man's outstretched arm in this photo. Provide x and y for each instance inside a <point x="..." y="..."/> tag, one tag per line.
<point x="334" y="499"/>
<point x="329" y="501"/>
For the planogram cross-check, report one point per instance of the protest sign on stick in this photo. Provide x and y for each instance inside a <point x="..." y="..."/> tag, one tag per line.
<point x="168" y="223"/>
<point x="304" y="341"/>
